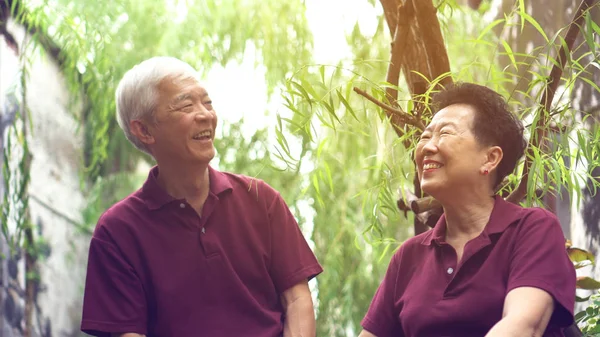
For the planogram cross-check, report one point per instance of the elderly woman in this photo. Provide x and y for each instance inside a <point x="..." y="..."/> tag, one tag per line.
<point x="488" y="267"/>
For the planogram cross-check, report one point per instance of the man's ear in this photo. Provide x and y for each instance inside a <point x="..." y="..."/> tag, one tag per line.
<point x="141" y="131"/>
<point x="493" y="157"/>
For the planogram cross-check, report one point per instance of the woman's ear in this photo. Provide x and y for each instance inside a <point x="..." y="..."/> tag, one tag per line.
<point x="493" y="157"/>
<point x="141" y="131"/>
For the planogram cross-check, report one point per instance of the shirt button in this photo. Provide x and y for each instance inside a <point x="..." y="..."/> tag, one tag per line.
<point x="450" y="270"/>
<point x="203" y="230"/>
<point x="182" y="205"/>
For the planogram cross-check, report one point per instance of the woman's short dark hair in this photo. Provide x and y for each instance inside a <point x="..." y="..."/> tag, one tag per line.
<point x="493" y="124"/>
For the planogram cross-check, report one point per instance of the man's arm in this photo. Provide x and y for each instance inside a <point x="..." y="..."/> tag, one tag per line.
<point x="299" y="312"/>
<point x="527" y="311"/>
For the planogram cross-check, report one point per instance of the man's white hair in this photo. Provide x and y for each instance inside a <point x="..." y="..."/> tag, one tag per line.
<point x="137" y="94"/>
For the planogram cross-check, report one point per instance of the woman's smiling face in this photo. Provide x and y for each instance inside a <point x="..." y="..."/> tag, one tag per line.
<point x="448" y="154"/>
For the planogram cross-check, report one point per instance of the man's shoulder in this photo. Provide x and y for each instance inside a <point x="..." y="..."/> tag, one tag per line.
<point x="123" y="211"/>
<point x="242" y="182"/>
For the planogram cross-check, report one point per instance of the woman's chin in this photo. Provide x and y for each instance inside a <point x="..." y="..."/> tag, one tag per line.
<point x="431" y="188"/>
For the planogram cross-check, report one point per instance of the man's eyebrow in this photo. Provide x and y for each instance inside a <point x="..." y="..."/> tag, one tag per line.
<point x="187" y="95"/>
<point x="181" y="98"/>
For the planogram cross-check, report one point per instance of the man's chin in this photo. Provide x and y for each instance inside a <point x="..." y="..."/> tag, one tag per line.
<point x="206" y="157"/>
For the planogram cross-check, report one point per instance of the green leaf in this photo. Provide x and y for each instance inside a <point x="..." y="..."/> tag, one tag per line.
<point x="589" y="32"/>
<point x="346" y="104"/>
<point x="521" y="11"/>
<point x="582" y="313"/>
<point x="509" y="53"/>
<point x="587" y="283"/>
<point x="535" y="24"/>
<point x="579" y="255"/>
<point x="490" y="27"/>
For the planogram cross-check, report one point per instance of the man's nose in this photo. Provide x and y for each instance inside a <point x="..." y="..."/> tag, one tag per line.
<point x="202" y="113"/>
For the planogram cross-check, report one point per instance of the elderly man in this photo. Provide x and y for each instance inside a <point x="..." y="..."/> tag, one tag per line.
<point x="193" y="252"/>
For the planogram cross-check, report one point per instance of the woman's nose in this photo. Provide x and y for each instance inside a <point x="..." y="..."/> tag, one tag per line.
<point x="430" y="146"/>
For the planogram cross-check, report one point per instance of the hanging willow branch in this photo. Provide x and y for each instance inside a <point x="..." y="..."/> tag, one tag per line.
<point x="418" y="51"/>
<point x="426" y="204"/>
<point x="541" y="125"/>
<point x="393" y="112"/>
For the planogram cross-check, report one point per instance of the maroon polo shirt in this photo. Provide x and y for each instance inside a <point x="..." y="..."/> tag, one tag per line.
<point x="157" y="268"/>
<point x="425" y="293"/>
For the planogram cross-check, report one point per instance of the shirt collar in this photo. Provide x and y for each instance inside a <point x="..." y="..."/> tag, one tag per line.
<point x="155" y="196"/>
<point x="503" y="215"/>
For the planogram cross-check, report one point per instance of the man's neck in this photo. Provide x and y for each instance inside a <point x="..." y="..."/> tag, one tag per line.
<point x="190" y="182"/>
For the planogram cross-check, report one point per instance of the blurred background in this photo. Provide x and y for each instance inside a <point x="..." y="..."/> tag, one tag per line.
<point x="281" y="75"/>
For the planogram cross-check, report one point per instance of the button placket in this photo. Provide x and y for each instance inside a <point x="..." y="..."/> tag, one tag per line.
<point x="448" y="263"/>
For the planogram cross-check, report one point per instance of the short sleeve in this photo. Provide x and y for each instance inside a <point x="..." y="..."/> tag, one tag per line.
<point x="540" y="260"/>
<point x="292" y="260"/>
<point x="113" y="300"/>
<point x="382" y="318"/>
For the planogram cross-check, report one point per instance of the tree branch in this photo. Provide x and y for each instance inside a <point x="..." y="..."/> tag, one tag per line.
<point x="391" y="112"/>
<point x="432" y="40"/>
<point x="390" y="8"/>
<point x="400" y="39"/>
<point x="552" y="83"/>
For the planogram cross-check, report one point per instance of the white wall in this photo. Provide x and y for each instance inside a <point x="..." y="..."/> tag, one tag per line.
<point x="56" y="147"/>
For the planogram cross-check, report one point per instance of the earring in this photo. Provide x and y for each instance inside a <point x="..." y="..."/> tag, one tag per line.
<point x="486" y="172"/>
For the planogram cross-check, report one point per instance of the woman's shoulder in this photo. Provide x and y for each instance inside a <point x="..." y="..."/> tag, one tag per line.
<point x="538" y="225"/>
<point x="413" y="248"/>
<point x="538" y="216"/>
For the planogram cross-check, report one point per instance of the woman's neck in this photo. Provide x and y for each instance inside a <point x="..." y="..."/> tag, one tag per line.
<point x="466" y="219"/>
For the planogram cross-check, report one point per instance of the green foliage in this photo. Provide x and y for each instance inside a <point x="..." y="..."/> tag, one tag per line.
<point x="588" y="319"/>
<point x="15" y="167"/>
<point x="361" y="166"/>
<point x="337" y="162"/>
<point x="98" y="43"/>
<point x="354" y="165"/>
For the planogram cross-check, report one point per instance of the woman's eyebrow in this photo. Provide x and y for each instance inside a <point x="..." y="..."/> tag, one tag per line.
<point x="448" y="123"/>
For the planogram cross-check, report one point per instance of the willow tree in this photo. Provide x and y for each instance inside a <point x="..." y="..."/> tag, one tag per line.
<point x="360" y="121"/>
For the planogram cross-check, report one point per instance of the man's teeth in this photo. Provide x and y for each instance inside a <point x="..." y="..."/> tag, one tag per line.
<point x="431" y="166"/>
<point x="202" y="134"/>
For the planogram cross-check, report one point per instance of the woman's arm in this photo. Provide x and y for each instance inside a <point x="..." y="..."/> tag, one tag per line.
<point x="527" y="311"/>
<point x="365" y="333"/>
